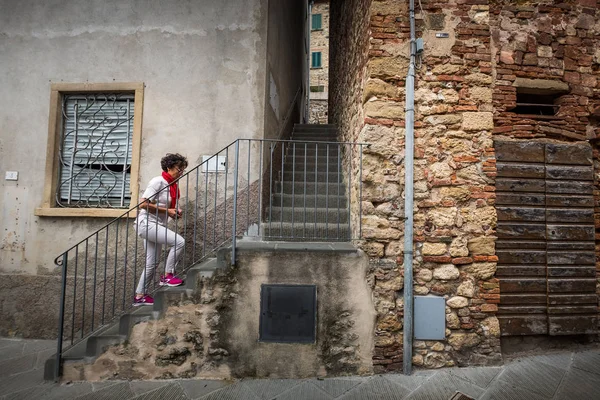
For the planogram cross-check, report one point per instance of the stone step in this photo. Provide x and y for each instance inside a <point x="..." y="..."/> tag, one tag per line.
<point x="330" y="215"/>
<point x="311" y="232"/>
<point x="299" y="200"/>
<point x="313" y="136"/>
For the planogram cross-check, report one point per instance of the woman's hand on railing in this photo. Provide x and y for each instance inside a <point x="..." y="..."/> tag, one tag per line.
<point x="174" y="212"/>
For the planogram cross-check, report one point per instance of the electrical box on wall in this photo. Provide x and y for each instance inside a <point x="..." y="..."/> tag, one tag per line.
<point x="430" y="318"/>
<point x="214" y="163"/>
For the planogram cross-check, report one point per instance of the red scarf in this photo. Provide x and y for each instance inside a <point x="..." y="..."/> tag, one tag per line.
<point x="173" y="188"/>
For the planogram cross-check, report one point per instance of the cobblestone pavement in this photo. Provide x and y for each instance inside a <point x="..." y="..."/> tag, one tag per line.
<point x="565" y="375"/>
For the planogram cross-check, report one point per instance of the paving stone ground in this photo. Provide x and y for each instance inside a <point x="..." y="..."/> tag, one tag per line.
<point x="565" y="375"/>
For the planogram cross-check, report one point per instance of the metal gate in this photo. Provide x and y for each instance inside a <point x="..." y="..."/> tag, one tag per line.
<point x="545" y="247"/>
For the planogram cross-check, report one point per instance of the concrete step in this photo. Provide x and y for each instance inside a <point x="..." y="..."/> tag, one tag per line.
<point x="299" y="200"/>
<point x="311" y="232"/>
<point x="313" y="149"/>
<point x="331" y="215"/>
<point x="299" y="175"/>
<point x="309" y="188"/>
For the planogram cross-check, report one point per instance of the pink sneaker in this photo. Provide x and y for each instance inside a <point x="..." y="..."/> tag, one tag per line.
<point x="170" y="280"/>
<point x="145" y="300"/>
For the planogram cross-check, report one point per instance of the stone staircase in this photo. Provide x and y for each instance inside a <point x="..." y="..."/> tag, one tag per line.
<point x="90" y="348"/>
<point x="309" y="201"/>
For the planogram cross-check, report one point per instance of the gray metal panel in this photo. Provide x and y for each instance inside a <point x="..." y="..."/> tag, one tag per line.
<point x="430" y="318"/>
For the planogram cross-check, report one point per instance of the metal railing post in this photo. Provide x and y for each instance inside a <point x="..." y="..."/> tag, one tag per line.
<point x="61" y="318"/>
<point x="235" y="185"/>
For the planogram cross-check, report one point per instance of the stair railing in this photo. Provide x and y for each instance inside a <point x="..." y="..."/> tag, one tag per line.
<point x="245" y="189"/>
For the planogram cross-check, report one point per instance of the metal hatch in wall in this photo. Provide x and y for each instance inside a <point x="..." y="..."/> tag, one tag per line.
<point x="546" y="238"/>
<point x="288" y="313"/>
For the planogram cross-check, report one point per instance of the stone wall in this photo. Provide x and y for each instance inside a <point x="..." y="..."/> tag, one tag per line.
<point x="318" y="112"/>
<point x="465" y="87"/>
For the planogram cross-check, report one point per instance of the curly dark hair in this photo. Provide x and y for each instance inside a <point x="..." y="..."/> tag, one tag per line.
<point x="173" y="160"/>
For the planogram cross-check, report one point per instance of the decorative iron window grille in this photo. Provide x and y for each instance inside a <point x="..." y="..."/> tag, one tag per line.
<point x="95" y="150"/>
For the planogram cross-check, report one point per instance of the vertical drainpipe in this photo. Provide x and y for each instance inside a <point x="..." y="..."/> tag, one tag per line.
<point x="307" y="50"/>
<point x="408" y="199"/>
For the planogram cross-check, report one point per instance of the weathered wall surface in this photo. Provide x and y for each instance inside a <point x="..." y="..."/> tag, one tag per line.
<point x="215" y="333"/>
<point x="193" y="58"/>
<point x="203" y="66"/>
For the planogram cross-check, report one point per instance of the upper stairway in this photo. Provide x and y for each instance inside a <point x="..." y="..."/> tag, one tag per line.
<point x="308" y="200"/>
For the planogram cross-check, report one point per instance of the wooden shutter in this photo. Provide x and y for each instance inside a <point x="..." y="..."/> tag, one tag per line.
<point x="316" y="22"/>
<point x="545" y="244"/>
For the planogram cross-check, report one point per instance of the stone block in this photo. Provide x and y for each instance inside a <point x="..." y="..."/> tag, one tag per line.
<point x="379" y="88"/>
<point x="384" y="109"/>
<point x="449" y="96"/>
<point x="424" y="274"/>
<point x="446" y="272"/>
<point x="484" y="245"/>
<point x="481" y="94"/>
<point x="479" y="79"/>
<point x="443" y="216"/>
<point x="544" y="85"/>
<point x="388" y="67"/>
<point x="445" y="69"/>
<point x="544" y="51"/>
<point x="448" y="119"/>
<point x="466" y="289"/>
<point x="373" y="249"/>
<point x="457" y="302"/>
<point x="477" y="121"/>
<point x="455" y="192"/>
<point x="441" y="170"/>
<point x="480" y="270"/>
<point x="434" y="249"/>
<point x="491" y="327"/>
<point x="458" y="247"/>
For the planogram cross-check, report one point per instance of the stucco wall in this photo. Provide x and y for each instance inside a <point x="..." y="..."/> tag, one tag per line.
<point x="194" y="58"/>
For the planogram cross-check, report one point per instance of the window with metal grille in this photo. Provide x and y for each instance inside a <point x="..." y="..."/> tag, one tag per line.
<point x="316" y="23"/>
<point x="95" y="150"/>
<point x="316" y="59"/>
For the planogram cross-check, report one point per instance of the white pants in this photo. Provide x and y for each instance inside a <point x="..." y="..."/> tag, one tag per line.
<point x="155" y="236"/>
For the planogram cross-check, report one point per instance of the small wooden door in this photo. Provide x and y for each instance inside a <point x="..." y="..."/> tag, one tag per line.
<point x="545" y="247"/>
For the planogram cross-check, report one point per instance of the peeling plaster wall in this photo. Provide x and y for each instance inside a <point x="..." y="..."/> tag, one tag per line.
<point x="203" y="64"/>
<point x="215" y="332"/>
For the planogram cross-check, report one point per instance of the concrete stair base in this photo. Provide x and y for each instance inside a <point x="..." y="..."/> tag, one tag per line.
<point x="90" y="348"/>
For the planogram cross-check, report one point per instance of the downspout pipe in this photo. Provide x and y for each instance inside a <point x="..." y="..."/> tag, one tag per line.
<point x="409" y="199"/>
